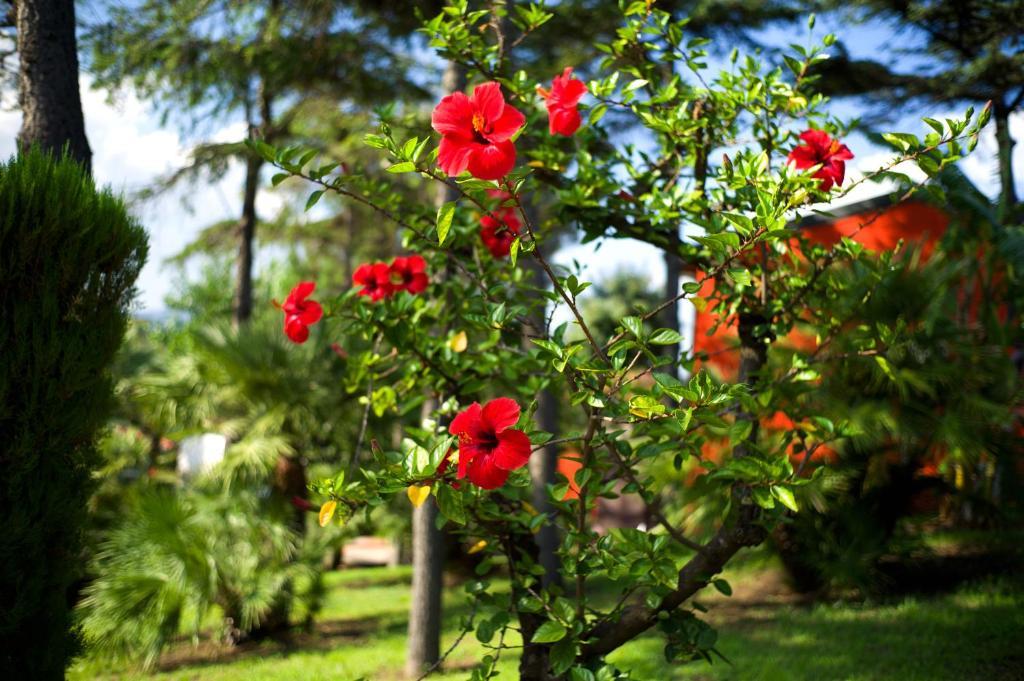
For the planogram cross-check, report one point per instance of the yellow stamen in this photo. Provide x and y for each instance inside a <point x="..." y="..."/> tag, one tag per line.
<point x="478" y="122"/>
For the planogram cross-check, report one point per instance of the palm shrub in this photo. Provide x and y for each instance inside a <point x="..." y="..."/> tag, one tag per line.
<point x="182" y="558"/>
<point x="69" y="258"/>
<point x="941" y="398"/>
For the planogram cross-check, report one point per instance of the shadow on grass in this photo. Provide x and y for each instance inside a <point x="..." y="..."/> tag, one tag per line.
<point x="326" y="635"/>
<point x="971" y="636"/>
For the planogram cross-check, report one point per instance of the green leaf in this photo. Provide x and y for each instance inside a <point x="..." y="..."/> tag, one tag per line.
<point x="634" y="325"/>
<point x="581" y="674"/>
<point x="740" y="276"/>
<point x="549" y="632"/>
<point x="785" y="496"/>
<point x="450" y="503"/>
<point x="313" y="198"/>
<point x="665" y="337"/>
<point x="634" y="85"/>
<point x="722" y="586"/>
<point x="562" y="655"/>
<point x="445" y="214"/>
<point x="403" y="167"/>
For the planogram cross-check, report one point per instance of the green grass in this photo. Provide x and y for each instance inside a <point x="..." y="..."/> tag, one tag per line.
<point x="974" y="633"/>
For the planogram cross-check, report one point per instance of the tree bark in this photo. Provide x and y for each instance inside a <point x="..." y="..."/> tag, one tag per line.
<point x="1007" y="188"/>
<point x="670" y="316"/>
<point x="242" y="308"/>
<point x="425" y="606"/>
<point x="543" y="467"/>
<point x="51" y="102"/>
<point x="740" y="531"/>
<point x="424" y="645"/>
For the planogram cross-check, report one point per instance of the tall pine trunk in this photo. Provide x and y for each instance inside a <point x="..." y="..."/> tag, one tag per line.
<point x="670" y="316"/>
<point x="424" y="645"/>
<point x="544" y="462"/>
<point x="242" y="307"/>
<point x="1007" y="188"/>
<point x="51" y="103"/>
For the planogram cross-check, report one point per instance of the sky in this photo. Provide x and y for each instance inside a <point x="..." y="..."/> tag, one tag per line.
<point x="131" y="150"/>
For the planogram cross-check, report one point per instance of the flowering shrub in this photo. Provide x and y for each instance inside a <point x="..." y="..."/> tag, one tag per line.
<point x="724" y="155"/>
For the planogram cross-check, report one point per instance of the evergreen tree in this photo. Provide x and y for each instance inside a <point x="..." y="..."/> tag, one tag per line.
<point x="69" y="257"/>
<point x="266" y="61"/>
<point x="51" y="106"/>
<point x="952" y="51"/>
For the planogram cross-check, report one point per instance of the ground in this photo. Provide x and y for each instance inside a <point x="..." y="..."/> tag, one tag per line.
<point x="975" y="632"/>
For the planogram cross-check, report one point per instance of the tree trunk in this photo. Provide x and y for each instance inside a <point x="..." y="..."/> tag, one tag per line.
<point x="242" y="308"/>
<point x="544" y="462"/>
<point x="1007" y="189"/>
<point x="670" y="316"/>
<point x="543" y="467"/>
<point x="51" y="103"/>
<point x="741" y="530"/>
<point x="424" y="645"/>
<point x="425" y="607"/>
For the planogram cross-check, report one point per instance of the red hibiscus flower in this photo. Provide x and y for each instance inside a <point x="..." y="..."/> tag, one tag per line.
<point x="562" y="102"/>
<point x="375" y="279"/>
<point x="476" y="133"/>
<point x="488" y="445"/>
<point x="820" y="149"/>
<point x="300" y="313"/>
<point x="409" y="274"/>
<point x="498" y="230"/>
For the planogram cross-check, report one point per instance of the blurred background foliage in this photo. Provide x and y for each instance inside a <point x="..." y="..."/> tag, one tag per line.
<point x="931" y="437"/>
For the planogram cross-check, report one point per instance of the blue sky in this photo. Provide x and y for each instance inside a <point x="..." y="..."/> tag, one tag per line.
<point x="131" y="149"/>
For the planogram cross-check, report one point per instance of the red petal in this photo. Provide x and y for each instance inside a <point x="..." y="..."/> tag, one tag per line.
<point x="563" y="121"/>
<point x="804" y="157"/>
<point x="363" y="274"/>
<point x="296" y="331"/>
<point x="818" y="139"/>
<point x="825" y="175"/>
<point x="418" y="284"/>
<point x="488" y="101"/>
<point x="506" y="125"/>
<point x="453" y="154"/>
<point x="467" y="421"/>
<point x="311" y="312"/>
<point x="468" y="453"/>
<point x="501" y="413"/>
<point x="302" y="290"/>
<point x="513" y="450"/>
<point x="492" y="161"/>
<point x="843" y="153"/>
<point x="838" y="171"/>
<point x="416" y="264"/>
<point x="485" y="475"/>
<point x="453" y="116"/>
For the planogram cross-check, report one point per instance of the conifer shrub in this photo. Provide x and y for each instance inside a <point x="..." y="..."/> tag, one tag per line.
<point x="69" y="257"/>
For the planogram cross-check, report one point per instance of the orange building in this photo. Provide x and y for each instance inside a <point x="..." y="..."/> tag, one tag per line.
<point x="914" y="222"/>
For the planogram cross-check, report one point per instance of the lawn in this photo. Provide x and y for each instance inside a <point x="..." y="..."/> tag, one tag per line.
<point x="975" y="632"/>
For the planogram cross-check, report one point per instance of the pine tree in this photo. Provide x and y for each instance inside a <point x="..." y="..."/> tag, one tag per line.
<point x="69" y="259"/>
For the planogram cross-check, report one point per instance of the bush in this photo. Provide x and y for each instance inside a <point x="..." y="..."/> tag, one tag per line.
<point x="179" y="558"/>
<point x="69" y="257"/>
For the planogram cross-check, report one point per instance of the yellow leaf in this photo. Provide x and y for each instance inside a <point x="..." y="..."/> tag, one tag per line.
<point x="327" y="512"/>
<point x="418" y="494"/>
<point x="699" y="303"/>
<point x="477" y="547"/>
<point x="528" y="507"/>
<point x="458" y="342"/>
